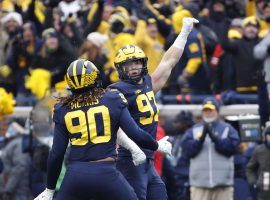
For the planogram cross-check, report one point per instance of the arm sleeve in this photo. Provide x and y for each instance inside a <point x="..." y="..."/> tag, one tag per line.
<point x="260" y="50"/>
<point x="163" y="24"/>
<point x="229" y="145"/>
<point x="32" y="15"/>
<point x="94" y="19"/>
<point x="56" y="156"/>
<point x="124" y="141"/>
<point x="230" y="46"/>
<point x="139" y="136"/>
<point x="194" y="53"/>
<point x="252" y="169"/>
<point x="141" y="36"/>
<point x="250" y="8"/>
<point x="191" y="147"/>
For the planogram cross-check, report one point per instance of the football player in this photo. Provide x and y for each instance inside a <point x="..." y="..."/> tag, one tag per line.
<point x="139" y="89"/>
<point x="89" y="118"/>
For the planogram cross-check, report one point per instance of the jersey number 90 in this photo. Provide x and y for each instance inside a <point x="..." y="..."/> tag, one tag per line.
<point x="87" y="125"/>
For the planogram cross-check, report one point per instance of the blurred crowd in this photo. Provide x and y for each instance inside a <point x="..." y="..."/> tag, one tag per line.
<point x="226" y="51"/>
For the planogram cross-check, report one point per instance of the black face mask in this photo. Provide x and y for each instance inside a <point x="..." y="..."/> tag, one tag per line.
<point x="267" y="19"/>
<point x="218" y="16"/>
<point x="117" y="27"/>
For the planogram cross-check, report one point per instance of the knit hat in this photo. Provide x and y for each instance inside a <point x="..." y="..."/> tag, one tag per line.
<point x="185" y="116"/>
<point x="251" y="21"/>
<point x="177" y="18"/>
<point x="12" y="16"/>
<point x="49" y="32"/>
<point x="97" y="38"/>
<point x="210" y="103"/>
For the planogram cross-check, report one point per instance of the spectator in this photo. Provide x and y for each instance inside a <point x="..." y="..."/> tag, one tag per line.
<point x="72" y="32"/>
<point x="11" y="23"/>
<point x="16" y="165"/>
<point x="92" y="49"/>
<point x="53" y="58"/>
<point x="3" y="37"/>
<point x="20" y="58"/>
<point x="53" y="19"/>
<point x="146" y="36"/>
<point x="240" y="180"/>
<point x="221" y="61"/>
<point x="191" y="73"/>
<point x="258" y="168"/>
<point x="261" y="52"/>
<point x="98" y="17"/>
<point x="176" y="167"/>
<point x="217" y="19"/>
<point x="38" y="144"/>
<point x="246" y="66"/>
<point x="210" y="146"/>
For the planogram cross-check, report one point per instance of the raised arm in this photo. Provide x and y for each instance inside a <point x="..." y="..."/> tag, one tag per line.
<point x="261" y="50"/>
<point x="172" y="55"/>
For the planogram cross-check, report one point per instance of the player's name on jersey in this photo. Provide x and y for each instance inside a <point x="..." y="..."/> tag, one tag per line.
<point x="79" y="105"/>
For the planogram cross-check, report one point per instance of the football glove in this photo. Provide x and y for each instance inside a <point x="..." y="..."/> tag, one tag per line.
<point x="164" y="146"/>
<point x="5" y="71"/>
<point x="47" y="194"/>
<point x="188" y="23"/>
<point x="138" y="156"/>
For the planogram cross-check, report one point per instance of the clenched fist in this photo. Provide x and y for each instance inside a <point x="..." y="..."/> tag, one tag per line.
<point x="188" y="24"/>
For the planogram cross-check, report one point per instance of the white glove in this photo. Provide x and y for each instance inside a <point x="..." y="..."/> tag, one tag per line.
<point x="188" y="24"/>
<point x="164" y="146"/>
<point x="138" y="156"/>
<point x="47" y="194"/>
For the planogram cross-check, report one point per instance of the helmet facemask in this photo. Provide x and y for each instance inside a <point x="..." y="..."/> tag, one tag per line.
<point x="83" y="75"/>
<point x="124" y="69"/>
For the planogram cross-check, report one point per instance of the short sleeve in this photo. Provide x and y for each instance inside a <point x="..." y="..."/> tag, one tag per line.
<point x="119" y="97"/>
<point x="56" y="113"/>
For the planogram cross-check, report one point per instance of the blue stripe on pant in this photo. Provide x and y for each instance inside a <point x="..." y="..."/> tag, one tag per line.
<point x="96" y="180"/>
<point x="143" y="178"/>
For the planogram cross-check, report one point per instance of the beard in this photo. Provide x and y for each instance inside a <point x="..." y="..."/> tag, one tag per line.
<point x="209" y="119"/>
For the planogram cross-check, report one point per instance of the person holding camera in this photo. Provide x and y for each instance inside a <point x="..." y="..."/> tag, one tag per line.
<point x="210" y="145"/>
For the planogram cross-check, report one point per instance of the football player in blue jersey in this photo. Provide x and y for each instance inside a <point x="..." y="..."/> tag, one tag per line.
<point x="139" y="89"/>
<point x="88" y="119"/>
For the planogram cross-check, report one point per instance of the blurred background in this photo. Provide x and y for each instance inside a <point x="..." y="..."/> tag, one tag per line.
<point x="227" y="57"/>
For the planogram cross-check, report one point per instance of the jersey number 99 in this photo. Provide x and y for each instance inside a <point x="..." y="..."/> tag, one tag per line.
<point x="87" y="125"/>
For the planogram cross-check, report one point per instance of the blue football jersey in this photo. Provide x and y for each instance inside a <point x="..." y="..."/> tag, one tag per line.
<point x="92" y="132"/>
<point x="142" y="107"/>
<point x="91" y="129"/>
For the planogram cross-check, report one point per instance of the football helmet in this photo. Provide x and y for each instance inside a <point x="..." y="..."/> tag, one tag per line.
<point x="130" y="53"/>
<point x="82" y="75"/>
